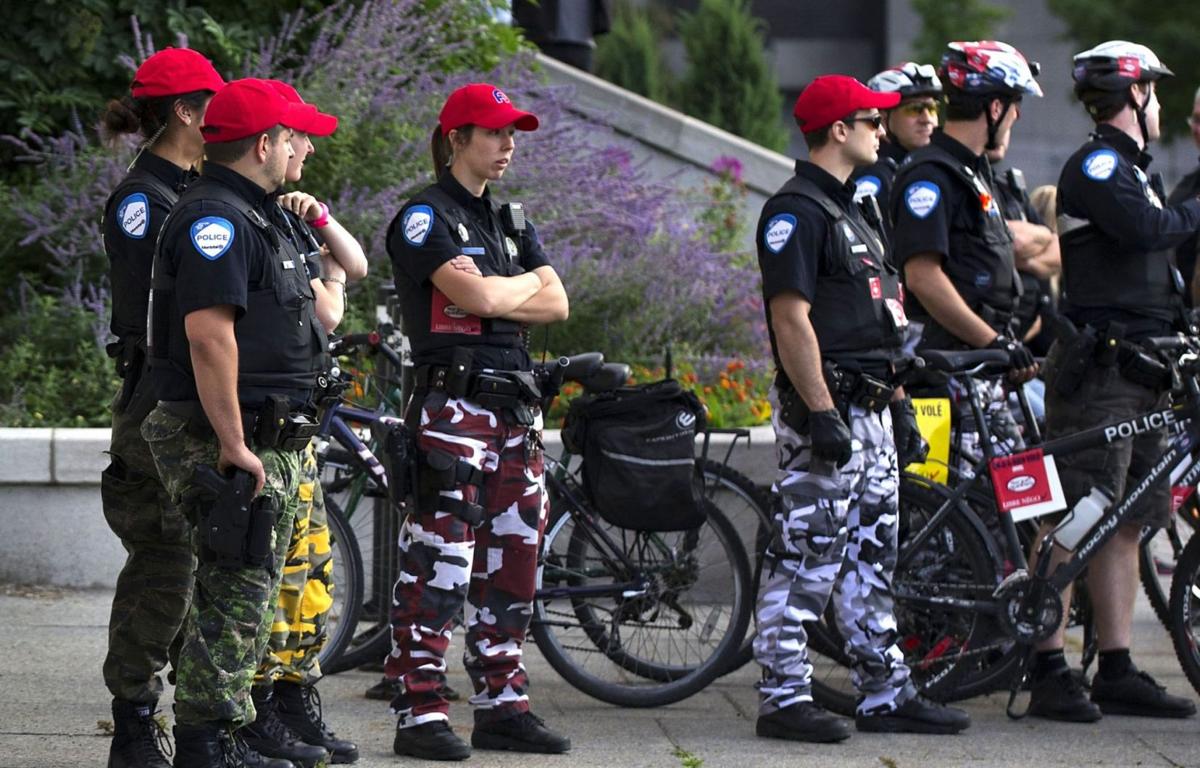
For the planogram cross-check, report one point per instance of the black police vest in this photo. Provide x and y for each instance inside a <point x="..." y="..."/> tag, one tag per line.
<point x="281" y="343"/>
<point x="129" y="309"/>
<point x="857" y="311"/>
<point x="1098" y="273"/>
<point x="494" y="332"/>
<point x="980" y="263"/>
<point x="300" y="235"/>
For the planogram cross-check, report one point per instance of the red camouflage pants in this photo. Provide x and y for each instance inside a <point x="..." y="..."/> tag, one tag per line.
<point x="444" y="561"/>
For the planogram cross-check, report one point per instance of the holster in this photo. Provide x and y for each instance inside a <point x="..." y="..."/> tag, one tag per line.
<point x="1076" y="358"/>
<point x="278" y="426"/>
<point x="443" y="471"/>
<point x="793" y="411"/>
<point x="129" y="357"/>
<point x="1140" y="367"/>
<point x="398" y="449"/>
<point x="855" y="388"/>
<point x="235" y="527"/>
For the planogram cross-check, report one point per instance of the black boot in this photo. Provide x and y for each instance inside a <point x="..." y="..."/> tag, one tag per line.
<point x="524" y="733"/>
<point x="299" y="707"/>
<point x="917" y="715"/>
<point x="204" y="746"/>
<point x="138" y="739"/>
<point x="805" y="721"/>
<point x="268" y="735"/>
<point x="246" y="756"/>
<point x="1060" y="696"/>
<point x="430" y="741"/>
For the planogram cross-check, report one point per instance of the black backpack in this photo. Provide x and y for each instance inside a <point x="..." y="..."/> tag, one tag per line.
<point x="639" y="455"/>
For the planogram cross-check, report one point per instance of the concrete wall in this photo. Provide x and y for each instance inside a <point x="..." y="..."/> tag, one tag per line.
<point x="53" y="525"/>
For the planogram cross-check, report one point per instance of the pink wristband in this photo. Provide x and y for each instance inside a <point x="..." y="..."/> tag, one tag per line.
<point x="321" y="221"/>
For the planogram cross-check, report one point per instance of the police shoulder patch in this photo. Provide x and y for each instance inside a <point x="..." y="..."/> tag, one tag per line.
<point x="133" y="215"/>
<point x="867" y="185"/>
<point x="417" y="224"/>
<point x="212" y="236"/>
<point x="1100" y="165"/>
<point x="922" y="197"/>
<point x="779" y="228"/>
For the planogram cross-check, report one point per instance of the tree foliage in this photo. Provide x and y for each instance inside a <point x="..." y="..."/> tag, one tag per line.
<point x="630" y="55"/>
<point x="943" y="21"/>
<point x="1168" y="28"/>
<point x="728" y="81"/>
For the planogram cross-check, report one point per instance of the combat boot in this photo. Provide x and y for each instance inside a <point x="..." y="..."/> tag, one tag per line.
<point x="430" y="741"/>
<point x="139" y="741"/>
<point x="270" y="737"/>
<point x="204" y="746"/>
<point x="524" y="733"/>
<point x="299" y="707"/>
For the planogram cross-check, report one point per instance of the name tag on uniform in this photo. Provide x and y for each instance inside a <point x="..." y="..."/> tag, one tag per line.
<point x="289" y="264"/>
<point x="860" y="248"/>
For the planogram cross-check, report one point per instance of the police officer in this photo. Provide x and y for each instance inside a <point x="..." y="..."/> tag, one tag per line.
<point x="909" y="125"/>
<point x="1187" y="188"/>
<point x="235" y="350"/>
<point x="285" y="697"/>
<point x="1035" y="253"/>
<point x="949" y="232"/>
<point x="166" y="103"/>
<point x="480" y="502"/>
<point x="835" y="317"/>
<point x="1120" y="286"/>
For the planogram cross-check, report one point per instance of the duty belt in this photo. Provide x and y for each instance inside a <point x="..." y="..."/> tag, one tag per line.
<point x="286" y="431"/>
<point x="515" y="391"/>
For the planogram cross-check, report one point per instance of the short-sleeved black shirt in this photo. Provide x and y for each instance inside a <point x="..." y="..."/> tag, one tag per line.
<point x="132" y="219"/>
<point x="421" y="240"/>
<point x="932" y="202"/>
<point x="792" y="241"/>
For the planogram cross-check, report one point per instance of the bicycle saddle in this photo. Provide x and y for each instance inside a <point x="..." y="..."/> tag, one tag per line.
<point x="608" y="377"/>
<point x="579" y="367"/>
<point x="963" y="361"/>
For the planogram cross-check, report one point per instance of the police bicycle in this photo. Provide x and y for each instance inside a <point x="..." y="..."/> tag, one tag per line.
<point x="630" y="618"/>
<point x="983" y="611"/>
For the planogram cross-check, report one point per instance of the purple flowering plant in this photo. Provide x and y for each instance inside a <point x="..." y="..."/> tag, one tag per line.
<point x="644" y="264"/>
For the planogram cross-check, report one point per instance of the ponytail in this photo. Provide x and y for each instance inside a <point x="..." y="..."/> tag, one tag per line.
<point x="150" y="117"/>
<point x="442" y="151"/>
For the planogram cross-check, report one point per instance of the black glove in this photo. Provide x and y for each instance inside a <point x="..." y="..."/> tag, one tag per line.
<point x="830" y="436"/>
<point x="911" y="447"/>
<point x="1019" y="355"/>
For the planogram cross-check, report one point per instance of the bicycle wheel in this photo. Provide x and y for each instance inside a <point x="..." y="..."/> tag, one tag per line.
<point x="1185" y="611"/>
<point x="375" y="531"/>
<point x="662" y="638"/>
<point x="347" y="589"/>
<point x="1160" y="552"/>
<point x="953" y="652"/>
<point x="747" y="507"/>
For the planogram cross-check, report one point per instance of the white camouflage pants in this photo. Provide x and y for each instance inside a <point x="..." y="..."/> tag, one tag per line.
<point x="835" y="534"/>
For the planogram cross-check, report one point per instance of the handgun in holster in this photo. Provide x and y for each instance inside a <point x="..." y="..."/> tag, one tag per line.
<point x="793" y="411"/>
<point x="1077" y="356"/>
<point x="235" y="527"/>
<point x="128" y="357"/>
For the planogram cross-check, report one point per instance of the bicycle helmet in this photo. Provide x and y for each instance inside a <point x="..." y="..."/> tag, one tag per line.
<point x="987" y="69"/>
<point x="1104" y="74"/>
<point x="908" y="79"/>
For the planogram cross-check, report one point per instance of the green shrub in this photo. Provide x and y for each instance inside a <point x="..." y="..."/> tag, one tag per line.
<point x="52" y="371"/>
<point x="728" y="81"/>
<point x="630" y="55"/>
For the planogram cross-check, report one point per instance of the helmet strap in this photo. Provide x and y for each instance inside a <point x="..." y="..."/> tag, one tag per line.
<point x="993" y="126"/>
<point x="1140" y="110"/>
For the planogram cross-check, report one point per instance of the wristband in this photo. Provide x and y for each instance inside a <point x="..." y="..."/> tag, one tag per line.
<point x="321" y="221"/>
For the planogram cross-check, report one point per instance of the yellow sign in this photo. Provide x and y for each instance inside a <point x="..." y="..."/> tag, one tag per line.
<point x="933" y="419"/>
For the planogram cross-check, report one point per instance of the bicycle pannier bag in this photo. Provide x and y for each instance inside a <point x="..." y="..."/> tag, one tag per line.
<point x="639" y="455"/>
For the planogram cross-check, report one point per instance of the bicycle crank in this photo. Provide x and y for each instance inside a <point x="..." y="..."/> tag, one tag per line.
<point x="1029" y="612"/>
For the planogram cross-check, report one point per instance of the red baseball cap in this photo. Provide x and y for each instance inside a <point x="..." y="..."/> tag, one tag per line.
<point x="317" y="123"/>
<point x="830" y="98"/>
<point x="173" y="71"/>
<point x="483" y="105"/>
<point x="249" y="106"/>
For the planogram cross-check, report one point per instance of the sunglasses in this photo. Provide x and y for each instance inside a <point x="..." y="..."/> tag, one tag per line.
<point x="914" y="108"/>
<point x="876" y="121"/>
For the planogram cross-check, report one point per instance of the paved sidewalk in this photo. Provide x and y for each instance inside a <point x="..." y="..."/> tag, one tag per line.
<point x="54" y="707"/>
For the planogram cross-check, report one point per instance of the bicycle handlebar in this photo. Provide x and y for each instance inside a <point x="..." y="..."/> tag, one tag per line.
<point x="372" y="340"/>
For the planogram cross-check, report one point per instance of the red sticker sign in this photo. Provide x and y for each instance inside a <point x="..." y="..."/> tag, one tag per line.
<point x="1026" y="484"/>
<point x="447" y="317"/>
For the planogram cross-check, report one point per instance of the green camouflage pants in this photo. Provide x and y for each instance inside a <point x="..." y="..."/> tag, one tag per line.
<point x="305" y="590"/>
<point x="155" y="584"/>
<point x="228" y="624"/>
